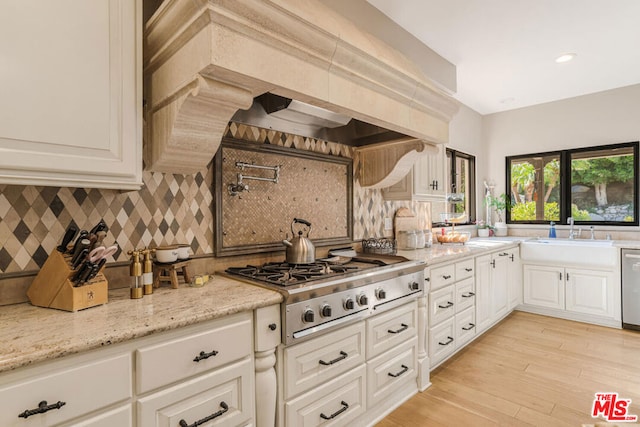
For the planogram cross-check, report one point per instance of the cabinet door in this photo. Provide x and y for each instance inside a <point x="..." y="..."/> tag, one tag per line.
<point x="72" y="112"/>
<point x="442" y="304"/>
<point x="514" y="278"/>
<point x="483" y="292"/>
<point x="429" y="177"/>
<point x="544" y="286"/>
<point x="499" y="285"/>
<point x="589" y="292"/>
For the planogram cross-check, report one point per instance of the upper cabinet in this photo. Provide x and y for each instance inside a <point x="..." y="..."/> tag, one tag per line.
<point x="425" y="181"/>
<point x="71" y="93"/>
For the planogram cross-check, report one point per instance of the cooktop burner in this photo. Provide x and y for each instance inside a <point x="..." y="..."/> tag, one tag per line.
<point x="284" y="274"/>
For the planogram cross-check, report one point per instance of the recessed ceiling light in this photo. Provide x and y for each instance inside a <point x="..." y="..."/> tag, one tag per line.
<point x="565" y="57"/>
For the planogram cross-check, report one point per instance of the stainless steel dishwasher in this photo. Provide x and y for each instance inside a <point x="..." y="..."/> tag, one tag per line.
<point x="631" y="289"/>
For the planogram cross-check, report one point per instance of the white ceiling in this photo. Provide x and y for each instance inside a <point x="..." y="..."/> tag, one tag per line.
<point x="505" y="50"/>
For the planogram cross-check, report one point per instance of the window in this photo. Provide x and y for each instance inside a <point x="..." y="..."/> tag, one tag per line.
<point x="461" y="170"/>
<point x="595" y="185"/>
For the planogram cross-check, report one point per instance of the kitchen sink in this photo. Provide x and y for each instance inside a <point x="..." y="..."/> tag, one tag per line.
<point x="590" y="253"/>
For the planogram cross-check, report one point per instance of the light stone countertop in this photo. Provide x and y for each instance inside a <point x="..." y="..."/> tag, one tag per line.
<point x="30" y="334"/>
<point x="440" y="253"/>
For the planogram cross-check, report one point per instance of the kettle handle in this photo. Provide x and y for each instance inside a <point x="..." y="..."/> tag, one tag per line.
<point x="300" y="221"/>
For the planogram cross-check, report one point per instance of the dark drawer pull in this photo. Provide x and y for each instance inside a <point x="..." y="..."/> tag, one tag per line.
<point x="405" y="368"/>
<point x="345" y="406"/>
<point x="203" y="356"/>
<point x="468" y="270"/>
<point x="449" y="341"/>
<point x="342" y="356"/>
<point x="470" y="327"/>
<point x="403" y="327"/>
<point x="503" y="254"/>
<point x="224" y="409"/>
<point x="42" y="408"/>
<point x="272" y="326"/>
<point x="468" y="295"/>
<point x="449" y="304"/>
<point x="446" y="277"/>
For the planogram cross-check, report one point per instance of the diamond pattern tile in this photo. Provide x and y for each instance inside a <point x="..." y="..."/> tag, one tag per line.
<point x="168" y="209"/>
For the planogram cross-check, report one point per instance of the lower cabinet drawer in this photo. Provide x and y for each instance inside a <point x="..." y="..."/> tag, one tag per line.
<point x="392" y="328"/>
<point x="80" y="389"/>
<point x="465" y="294"/>
<point x="313" y="362"/>
<point x="465" y="326"/>
<point x="339" y="402"/>
<point x="222" y="397"/>
<point x="442" y="341"/>
<point x="223" y="341"/>
<point x="390" y="371"/>
<point x="442" y="304"/>
<point x="119" y="417"/>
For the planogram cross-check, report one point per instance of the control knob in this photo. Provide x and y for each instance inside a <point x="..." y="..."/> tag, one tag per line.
<point x="308" y="316"/>
<point x="414" y="286"/>
<point x="363" y="300"/>
<point x="381" y="293"/>
<point x="325" y="310"/>
<point x="349" y="304"/>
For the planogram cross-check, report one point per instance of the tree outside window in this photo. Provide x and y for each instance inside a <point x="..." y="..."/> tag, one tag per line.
<point x="600" y="186"/>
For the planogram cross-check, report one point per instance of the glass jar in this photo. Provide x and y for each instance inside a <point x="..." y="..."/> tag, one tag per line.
<point x="420" y="239"/>
<point x="428" y="238"/>
<point x="407" y="239"/>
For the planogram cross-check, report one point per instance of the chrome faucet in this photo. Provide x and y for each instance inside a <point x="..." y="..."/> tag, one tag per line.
<point x="571" y="232"/>
<point x="593" y="233"/>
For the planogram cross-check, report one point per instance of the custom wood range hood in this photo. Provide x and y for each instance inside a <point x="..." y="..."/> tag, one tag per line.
<point x="207" y="59"/>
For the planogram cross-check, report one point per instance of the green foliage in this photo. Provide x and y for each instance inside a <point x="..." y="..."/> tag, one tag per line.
<point x="628" y="218"/>
<point x="579" y="214"/>
<point x="500" y="203"/>
<point x="602" y="170"/>
<point x="527" y="212"/>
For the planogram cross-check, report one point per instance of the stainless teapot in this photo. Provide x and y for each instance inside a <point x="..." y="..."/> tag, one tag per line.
<point x="300" y="250"/>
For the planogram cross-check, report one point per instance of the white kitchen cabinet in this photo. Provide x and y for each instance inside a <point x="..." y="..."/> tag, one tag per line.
<point x="572" y="290"/>
<point x="450" y="308"/>
<point x="223" y="397"/>
<point x="82" y="384"/>
<point x="589" y="291"/>
<point x="71" y="98"/>
<point x="514" y="277"/>
<point x="496" y="280"/>
<point x="356" y="373"/>
<point x="121" y="417"/>
<point x="426" y="180"/>
<point x="544" y="286"/>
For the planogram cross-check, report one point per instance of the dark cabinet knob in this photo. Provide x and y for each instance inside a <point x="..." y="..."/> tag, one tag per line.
<point x="414" y="286"/>
<point x="272" y="326"/>
<point x="381" y="294"/>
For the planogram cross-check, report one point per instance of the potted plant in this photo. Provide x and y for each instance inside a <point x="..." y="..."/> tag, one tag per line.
<point x="484" y="229"/>
<point x="500" y="203"/>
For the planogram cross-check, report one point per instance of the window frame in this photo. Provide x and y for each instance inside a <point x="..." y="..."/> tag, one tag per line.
<point x="565" y="157"/>
<point x="451" y="155"/>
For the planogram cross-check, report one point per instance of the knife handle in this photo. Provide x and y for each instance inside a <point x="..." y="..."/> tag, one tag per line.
<point x="71" y="232"/>
<point x="79" y="247"/>
<point x="81" y="257"/>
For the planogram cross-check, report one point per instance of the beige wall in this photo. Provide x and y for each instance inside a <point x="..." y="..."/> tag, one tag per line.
<point x="597" y="119"/>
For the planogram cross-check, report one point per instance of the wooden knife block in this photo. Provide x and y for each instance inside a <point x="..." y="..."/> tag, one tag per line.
<point x="53" y="287"/>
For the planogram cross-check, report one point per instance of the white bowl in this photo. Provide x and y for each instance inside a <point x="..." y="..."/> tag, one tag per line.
<point x="183" y="251"/>
<point x="167" y="254"/>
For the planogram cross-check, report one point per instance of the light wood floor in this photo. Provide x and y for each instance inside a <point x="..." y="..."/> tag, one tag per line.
<point x="528" y="370"/>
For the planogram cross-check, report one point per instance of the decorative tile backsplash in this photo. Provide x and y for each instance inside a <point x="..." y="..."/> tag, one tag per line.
<point x="168" y="209"/>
